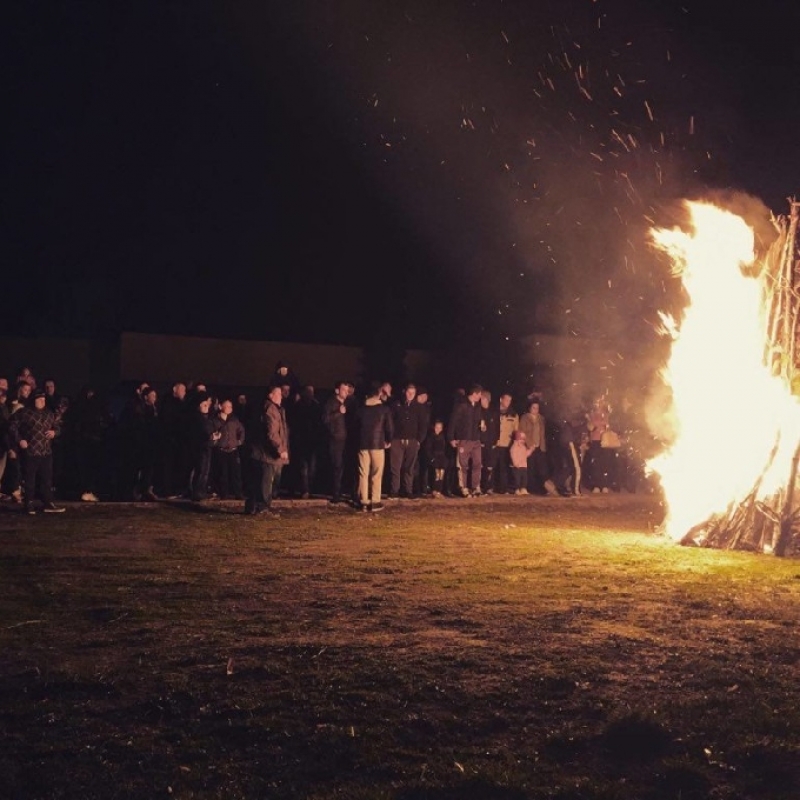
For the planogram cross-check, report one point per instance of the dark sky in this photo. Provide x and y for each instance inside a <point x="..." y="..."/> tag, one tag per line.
<point x="327" y="170"/>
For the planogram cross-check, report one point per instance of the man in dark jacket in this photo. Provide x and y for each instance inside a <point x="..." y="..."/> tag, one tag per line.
<point x="203" y="435"/>
<point x="490" y="433"/>
<point x="228" y="472"/>
<point x="334" y="417"/>
<point x="307" y="432"/>
<point x="32" y="432"/>
<point x="464" y="434"/>
<point x="374" y="437"/>
<point x="174" y="456"/>
<point x="408" y="428"/>
<point x="268" y="448"/>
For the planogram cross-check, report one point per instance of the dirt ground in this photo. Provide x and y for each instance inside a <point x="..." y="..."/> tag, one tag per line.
<point x="491" y="648"/>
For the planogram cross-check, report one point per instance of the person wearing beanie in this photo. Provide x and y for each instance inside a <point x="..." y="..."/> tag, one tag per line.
<point x="32" y="432"/>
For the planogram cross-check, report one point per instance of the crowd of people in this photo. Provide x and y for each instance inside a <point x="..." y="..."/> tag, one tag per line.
<point x="355" y="448"/>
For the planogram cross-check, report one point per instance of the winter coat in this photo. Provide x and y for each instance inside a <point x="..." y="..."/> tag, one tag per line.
<point x="509" y="422"/>
<point x="407" y="420"/>
<point x="269" y="436"/>
<point x="519" y="453"/>
<point x="490" y="426"/>
<point x="335" y="422"/>
<point x="232" y="433"/>
<point x="305" y="426"/>
<point x="434" y="450"/>
<point x="31" y="425"/>
<point x="534" y="428"/>
<point x="375" y="426"/>
<point x="465" y="422"/>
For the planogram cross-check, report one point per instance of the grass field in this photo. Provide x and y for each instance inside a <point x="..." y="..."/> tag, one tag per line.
<point x="493" y="648"/>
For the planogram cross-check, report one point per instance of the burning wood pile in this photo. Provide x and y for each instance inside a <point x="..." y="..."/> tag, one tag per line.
<point x="730" y="473"/>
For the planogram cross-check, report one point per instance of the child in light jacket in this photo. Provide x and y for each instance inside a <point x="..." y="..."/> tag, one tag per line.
<point x="518" y="455"/>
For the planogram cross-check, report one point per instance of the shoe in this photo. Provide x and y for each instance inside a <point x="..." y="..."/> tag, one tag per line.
<point x="16" y="495"/>
<point x="465" y="492"/>
<point x="522" y="491"/>
<point x="489" y="491"/>
<point x="596" y="490"/>
<point x="90" y="497"/>
<point x="52" y="508"/>
<point x="305" y="496"/>
<point x="605" y="490"/>
<point x="31" y="511"/>
<point x="436" y="494"/>
<point x="476" y="493"/>
<point x="150" y="496"/>
<point x="362" y="508"/>
<point x="377" y="507"/>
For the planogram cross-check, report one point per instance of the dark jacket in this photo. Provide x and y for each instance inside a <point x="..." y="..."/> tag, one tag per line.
<point x="232" y="433"/>
<point x="425" y="414"/>
<point x="268" y="436"/>
<point x="305" y="426"/>
<point x="407" y="420"/>
<point x="374" y="425"/>
<point x="490" y="429"/>
<point x="465" y="422"/>
<point x="434" y="450"/>
<point x="5" y="417"/>
<point x="334" y="420"/>
<point x="200" y="428"/>
<point x="32" y="425"/>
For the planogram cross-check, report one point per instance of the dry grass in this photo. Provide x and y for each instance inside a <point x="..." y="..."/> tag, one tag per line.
<point x="512" y="648"/>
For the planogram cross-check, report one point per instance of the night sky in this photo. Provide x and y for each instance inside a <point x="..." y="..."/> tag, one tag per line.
<point x="337" y="170"/>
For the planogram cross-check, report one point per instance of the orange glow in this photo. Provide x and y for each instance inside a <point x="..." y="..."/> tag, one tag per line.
<point x="728" y="412"/>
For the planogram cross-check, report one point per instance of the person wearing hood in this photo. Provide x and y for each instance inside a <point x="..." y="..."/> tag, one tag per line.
<point x="32" y="432"/>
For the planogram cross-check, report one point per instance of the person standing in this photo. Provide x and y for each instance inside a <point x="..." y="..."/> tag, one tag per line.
<point x="228" y="472"/>
<point x="268" y="446"/>
<point x="422" y="478"/>
<point x="464" y="435"/>
<point x="203" y="435"/>
<point x="174" y="457"/>
<point x="375" y="435"/>
<point x="32" y="432"/>
<point x="305" y="425"/>
<point x="508" y="420"/>
<point x="597" y="423"/>
<point x="90" y="423"/>
<point x="334" y="417"/>
<point x="490" y="433"/>
<point x="408" y="431"/>
<point x="534" y="426"/>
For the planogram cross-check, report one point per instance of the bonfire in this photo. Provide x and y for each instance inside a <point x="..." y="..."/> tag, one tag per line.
<point x="729" y="473"/>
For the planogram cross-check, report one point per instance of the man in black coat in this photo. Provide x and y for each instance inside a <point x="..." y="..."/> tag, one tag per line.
<point x="407" y="421"/>
<point x="464" y="434"/>
<point x="374" y="438"/>
<point x="334" y="417"/>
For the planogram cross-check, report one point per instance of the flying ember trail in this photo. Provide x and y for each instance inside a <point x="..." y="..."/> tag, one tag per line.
<point x="736" y="424"/>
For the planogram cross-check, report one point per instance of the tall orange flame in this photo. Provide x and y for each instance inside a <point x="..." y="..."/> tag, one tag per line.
<point x="729" y="412"/>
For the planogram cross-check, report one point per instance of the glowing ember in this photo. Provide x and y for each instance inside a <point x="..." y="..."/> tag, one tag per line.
<point x="728" y="411"/>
